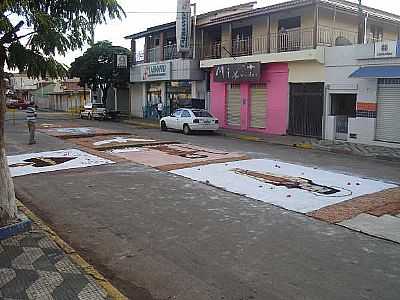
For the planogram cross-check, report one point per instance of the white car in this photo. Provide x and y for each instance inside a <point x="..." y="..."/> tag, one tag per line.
<point x="94" y="111"/>
<point x="189" y="120"/>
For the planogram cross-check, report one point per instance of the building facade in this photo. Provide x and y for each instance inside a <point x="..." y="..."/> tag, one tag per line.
<point x="160" y="74"/>
<point x="271" y="69"/>
<point x="288" y="40"/>
<point x="363" y="94"/>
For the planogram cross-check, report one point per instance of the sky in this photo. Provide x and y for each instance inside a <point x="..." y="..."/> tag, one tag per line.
<point x="143" y="14"/>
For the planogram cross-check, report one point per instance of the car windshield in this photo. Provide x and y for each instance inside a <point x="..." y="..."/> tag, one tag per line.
<point x="202" y="114"/>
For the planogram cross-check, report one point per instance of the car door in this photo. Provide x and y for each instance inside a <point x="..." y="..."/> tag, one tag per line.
<point x="174" y="119"/>
<point x="186" y="118"/>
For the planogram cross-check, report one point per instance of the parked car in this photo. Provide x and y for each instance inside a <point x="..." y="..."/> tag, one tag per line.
<point x="17" y="104"/>
<point x="189" y="120"/>
<point x="97" y="111"/>
<point x="87" y="112"/>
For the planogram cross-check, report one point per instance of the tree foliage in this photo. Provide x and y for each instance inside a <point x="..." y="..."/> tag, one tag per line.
<point x="31" y="33"/>
<point x="96" y="67"/>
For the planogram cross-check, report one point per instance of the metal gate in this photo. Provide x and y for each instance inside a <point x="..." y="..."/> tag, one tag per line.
<point x="233" y="105"/>
<point x="388" y="111"/>
<point x="306" y="109"/>
<point x="258" y="106"/>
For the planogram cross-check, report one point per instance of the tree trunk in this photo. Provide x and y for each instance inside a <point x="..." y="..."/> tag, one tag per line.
<point x="8" y="207"/>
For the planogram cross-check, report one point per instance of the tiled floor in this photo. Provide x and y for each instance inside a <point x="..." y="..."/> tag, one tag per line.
<point x="33" y="267"/>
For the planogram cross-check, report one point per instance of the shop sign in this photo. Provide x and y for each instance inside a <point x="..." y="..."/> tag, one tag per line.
<point x="156" y="72"/>
<point x="238" y="72"/>
<point x="122" y="61"/>
<point x="386" y="49"/>
<point x="183" y="25"/>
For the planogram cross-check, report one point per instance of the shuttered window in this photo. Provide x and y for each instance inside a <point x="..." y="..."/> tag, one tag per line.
<point x="233" y="105"/>
<point x="258" y="106"/>
<point x="388" y="114"/>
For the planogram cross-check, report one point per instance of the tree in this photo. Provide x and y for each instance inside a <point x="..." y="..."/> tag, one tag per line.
<point x="96" y="67"/>
<point x="31" y="33"/>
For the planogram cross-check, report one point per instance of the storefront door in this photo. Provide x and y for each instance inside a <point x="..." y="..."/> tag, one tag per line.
<point x="233" y="105"/>
<point x="258" y="106"/>
<point x="388" y="112"/>
<point x="306" y="109"/>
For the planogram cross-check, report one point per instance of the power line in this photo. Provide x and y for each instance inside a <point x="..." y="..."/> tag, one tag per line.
<point x="156" y="12"/>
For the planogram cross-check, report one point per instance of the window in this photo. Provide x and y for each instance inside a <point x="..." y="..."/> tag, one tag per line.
<point x="289" y="23"/>
<point x="377" y="33"/>
<point x="185" y="114"/>
<point x="202" y="113"/>
<point x="177" y="113"/>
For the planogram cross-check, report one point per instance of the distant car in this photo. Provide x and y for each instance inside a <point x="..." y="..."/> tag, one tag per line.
<point x="97" y="111"/>
<point x="17" y="104"/>
<point x="189" y="120"/>
<point x="87" y="112"/>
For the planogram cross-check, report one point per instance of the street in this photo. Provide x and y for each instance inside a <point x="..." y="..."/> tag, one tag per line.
<point x="157" y="235"/>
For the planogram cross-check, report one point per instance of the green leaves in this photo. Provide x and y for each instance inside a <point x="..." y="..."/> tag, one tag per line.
<point x="34" y="63"/>
<point x="96" y="66"/>
<point x="55" y="26"/>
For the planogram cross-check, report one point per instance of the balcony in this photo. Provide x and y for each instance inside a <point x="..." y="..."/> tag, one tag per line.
<point x="285" y="41"/>
<point x="168" y="52"/>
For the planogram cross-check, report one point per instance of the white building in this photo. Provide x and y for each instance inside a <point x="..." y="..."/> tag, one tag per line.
<point x="362" y="99"/>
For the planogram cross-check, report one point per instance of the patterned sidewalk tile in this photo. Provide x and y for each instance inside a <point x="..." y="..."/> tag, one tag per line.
<point x="360" y="149"/>
<point x="377" y="204"/>
<point x="32" y="266"/>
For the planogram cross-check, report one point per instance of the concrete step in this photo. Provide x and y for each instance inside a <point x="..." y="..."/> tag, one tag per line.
<point x="386" y="226"/>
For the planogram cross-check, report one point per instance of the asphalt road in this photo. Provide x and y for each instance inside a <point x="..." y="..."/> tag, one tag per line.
<point x="160" y="236"/>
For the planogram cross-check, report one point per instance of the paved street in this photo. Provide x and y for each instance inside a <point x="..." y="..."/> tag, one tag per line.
<point x="156" y="235"/>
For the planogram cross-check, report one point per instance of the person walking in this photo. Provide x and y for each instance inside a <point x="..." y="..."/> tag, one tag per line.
<point x="160" y="109"/>
<point x="31" y="121"/>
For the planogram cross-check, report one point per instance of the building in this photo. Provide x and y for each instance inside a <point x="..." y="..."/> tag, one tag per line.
<point x="70" y="98"/>
<point x="363" y="94"/>
<point x="264" y="69"/>
<point x="41" y="96"/>
<point x="285" y="44"/>
<point x="161" y="74"/>
<point x="22" y="86"/>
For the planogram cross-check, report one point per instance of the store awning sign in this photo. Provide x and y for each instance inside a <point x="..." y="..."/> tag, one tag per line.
<point x="238" y="72"/>
<point x="156" y="72"/>
<point x="183" y="25"/>
<point x="386" y="49"/>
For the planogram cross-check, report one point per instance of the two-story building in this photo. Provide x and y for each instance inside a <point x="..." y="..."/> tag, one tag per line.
<point x="259" y="69"/>
<point x="160" y="74"/>
<point x="267" y="65"/>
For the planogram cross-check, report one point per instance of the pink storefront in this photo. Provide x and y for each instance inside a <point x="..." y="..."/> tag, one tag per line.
<point x="255" y="105"/>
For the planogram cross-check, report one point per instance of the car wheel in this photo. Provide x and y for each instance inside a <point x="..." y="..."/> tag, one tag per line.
<point x="20" y="107"/>
<point x="186" y="129"/>
<point x="163" y="126"/>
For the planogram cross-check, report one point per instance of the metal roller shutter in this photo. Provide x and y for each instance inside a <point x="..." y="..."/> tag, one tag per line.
<point x="233" y="105"/>
<point x="258" y="106"/>
<point x="388" y="111"/>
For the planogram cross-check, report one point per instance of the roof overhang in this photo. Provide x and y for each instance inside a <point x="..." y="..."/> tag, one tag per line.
<point x="392" y="71"/>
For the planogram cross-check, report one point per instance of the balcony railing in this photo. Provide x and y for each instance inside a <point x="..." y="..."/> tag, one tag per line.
<point x="284" y="41"/>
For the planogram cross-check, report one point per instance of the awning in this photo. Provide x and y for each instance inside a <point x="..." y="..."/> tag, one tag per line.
<point x="377" y="72"/>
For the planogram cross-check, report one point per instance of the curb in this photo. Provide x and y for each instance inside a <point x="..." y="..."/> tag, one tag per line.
<point x="111" y="291"/>
<point x="141" y="124"/>
<point x="24" y="225"/>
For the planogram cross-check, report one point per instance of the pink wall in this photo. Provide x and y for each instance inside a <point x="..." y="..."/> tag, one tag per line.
<point x="275" y="75"/>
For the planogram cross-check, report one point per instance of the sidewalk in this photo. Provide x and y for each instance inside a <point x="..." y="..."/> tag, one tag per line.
<point x="296" y="141"/>
<point x="33" y="266"/>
